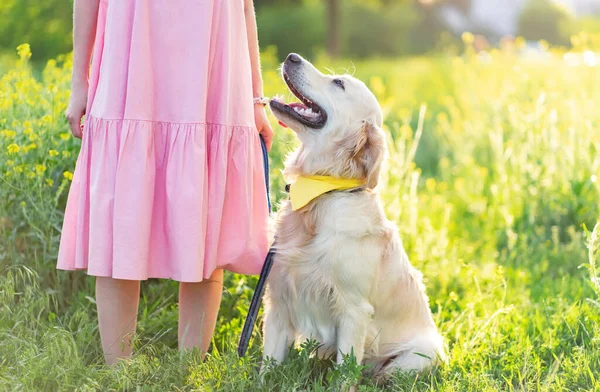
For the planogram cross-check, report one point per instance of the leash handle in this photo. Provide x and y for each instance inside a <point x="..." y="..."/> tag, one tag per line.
<point x="265" y="155"/>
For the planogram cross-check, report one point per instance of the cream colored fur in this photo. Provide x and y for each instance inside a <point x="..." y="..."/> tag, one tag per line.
<point x="340" y="274"/>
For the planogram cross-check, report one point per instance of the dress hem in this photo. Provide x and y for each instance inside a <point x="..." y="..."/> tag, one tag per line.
<point x="180" y="279"/>
<point x="209" y="123"/>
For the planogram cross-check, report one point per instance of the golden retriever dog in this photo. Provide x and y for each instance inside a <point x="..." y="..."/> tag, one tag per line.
<point x="340" y="274"/>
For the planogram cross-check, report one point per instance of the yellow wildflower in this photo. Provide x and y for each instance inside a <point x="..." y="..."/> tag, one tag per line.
<point x="40" y="169"/>
<point x="500" y="270"/>
<point x="7" y="133"/>
<point x="66" y="154"/>
<point x="68" y="175"/>
<point x="49" y="181"/>
<point x="403" y="113"/>
<point x="468" y="38"/>
<point x="406" y="131"/>
<point x="24" y="51"/>
<point x="13" y="148"/>
<point x="53" y="153"/>
<point x="32" y="146"/>
<point x="65" y="136"/>
<point x="430" y="184"/>
<point x="31" y="174"/>
<point x="10" y="162"/>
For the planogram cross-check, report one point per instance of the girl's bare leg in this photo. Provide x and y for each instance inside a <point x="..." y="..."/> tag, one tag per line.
<point x="198" y="310"/>
<point x="117" y="302"/>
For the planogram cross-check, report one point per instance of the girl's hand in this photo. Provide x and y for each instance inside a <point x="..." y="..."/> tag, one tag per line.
<point x="77" y="106"/>
<point x="263" y="125"/>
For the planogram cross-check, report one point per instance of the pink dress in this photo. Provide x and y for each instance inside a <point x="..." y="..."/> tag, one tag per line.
<point x="169" y="182"/>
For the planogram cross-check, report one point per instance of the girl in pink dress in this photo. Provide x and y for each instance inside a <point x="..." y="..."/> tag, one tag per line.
<point x="169" y="182"/>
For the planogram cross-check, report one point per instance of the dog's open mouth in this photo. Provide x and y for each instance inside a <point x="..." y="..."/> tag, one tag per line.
<point x="307" y="112"/>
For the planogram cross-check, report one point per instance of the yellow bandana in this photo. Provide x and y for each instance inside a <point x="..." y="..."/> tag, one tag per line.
<point x="307" y="188"/>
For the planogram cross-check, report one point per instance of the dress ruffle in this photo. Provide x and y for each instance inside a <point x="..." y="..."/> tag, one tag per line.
<point x="166" y="200"/>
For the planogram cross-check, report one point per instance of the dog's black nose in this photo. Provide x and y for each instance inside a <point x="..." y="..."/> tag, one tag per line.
<point x="293" y="58"/>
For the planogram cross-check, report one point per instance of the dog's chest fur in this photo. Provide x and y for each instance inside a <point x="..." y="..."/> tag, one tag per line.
<point x="326" y="263"/>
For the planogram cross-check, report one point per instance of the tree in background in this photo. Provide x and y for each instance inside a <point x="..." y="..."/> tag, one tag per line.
<point x="547" y="20"/>
<point x="332" y="19"/>
<point x="291" y="26"/>
<point x="333" y="27"/>
<point x="351" y="27"/>
<point x="379" y="28"/>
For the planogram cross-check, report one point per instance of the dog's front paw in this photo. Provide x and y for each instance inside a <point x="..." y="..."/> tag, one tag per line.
<point x="267" y="364"/>
<point x="262" y="374"/>
<point x="351" y="388"/>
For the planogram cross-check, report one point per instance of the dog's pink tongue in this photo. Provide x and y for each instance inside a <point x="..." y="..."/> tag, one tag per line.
<point x="282" y="124"/>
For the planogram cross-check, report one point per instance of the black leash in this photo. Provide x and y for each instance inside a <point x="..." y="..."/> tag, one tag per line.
<point x="264" y="273"/>
<point x="255" y="304"/>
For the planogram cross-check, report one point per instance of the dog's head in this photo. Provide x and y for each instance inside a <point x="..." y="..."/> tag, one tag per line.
<point x="338" y="121"/>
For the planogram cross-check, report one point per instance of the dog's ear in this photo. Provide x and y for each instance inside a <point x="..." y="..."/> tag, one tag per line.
<point x="371" y="152"/>
<point x="364" y="152"/>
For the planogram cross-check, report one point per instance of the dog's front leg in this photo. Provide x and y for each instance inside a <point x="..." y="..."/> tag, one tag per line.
<point x="278" y="334"/>
<point x="352" y="332"/>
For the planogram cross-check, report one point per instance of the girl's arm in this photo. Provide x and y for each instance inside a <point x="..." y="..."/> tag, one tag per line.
<point x="85" y="18"/>
<point x="260" y="116"/>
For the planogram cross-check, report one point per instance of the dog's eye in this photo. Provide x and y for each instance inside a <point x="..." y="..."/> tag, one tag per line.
<point x="339" y="83"/>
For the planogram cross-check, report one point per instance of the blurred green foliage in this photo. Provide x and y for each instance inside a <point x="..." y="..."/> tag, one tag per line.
<point x="45" y="25"/>
<point x="551" y="21"/>
<point x="368" y="28"/>
<point x="377" y="29"/>
<point x="292" y="27"/>
<point x="547" y="20"/>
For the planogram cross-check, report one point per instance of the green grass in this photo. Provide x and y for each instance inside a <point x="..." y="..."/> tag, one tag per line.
<point x="493" y="177"/>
